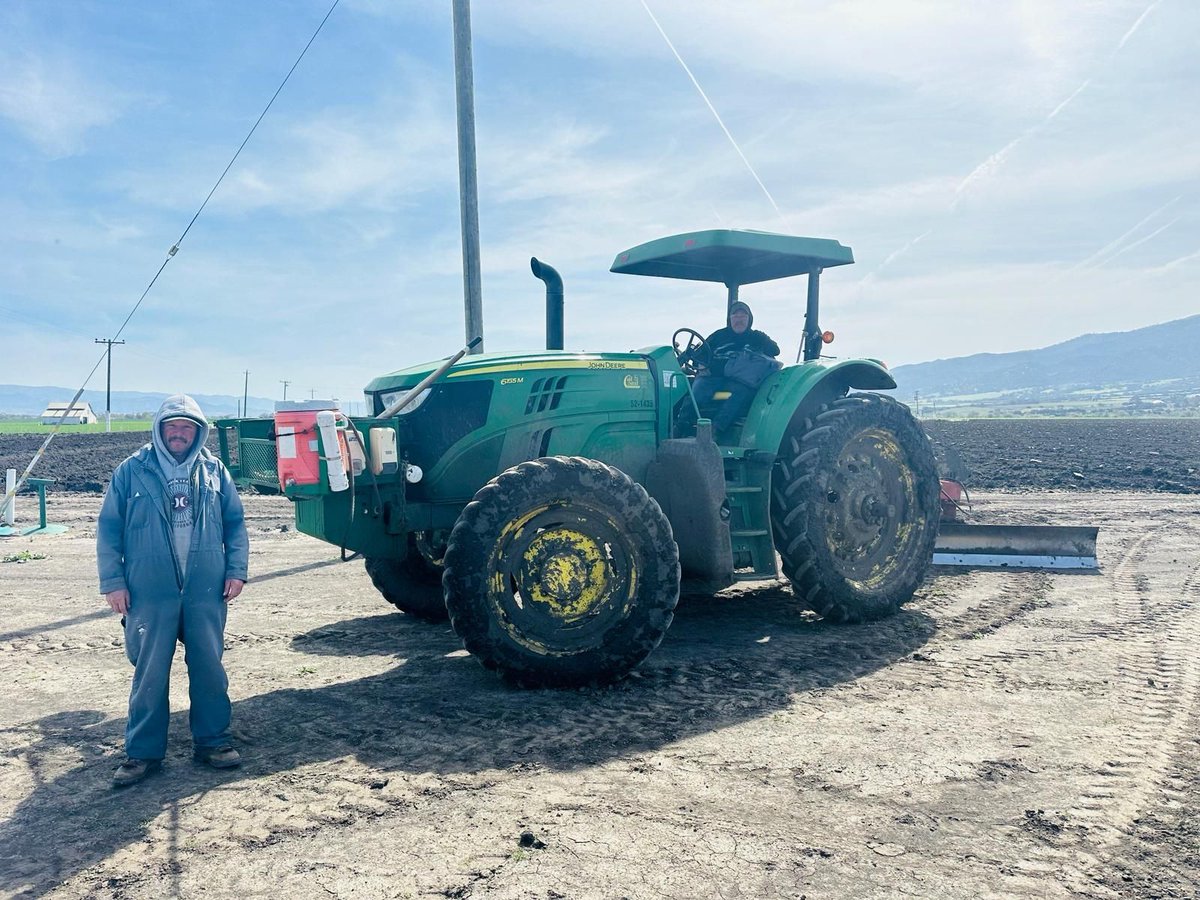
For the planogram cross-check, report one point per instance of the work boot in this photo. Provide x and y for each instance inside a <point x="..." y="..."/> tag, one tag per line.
<point x="218" y="757"/>
<point x="134" y="770"/>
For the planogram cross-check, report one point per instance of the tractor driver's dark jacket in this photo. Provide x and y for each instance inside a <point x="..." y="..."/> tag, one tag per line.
<point x="725" y="342"/>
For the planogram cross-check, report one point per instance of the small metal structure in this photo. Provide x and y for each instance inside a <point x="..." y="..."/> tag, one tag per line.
<point x="39" y="485"/>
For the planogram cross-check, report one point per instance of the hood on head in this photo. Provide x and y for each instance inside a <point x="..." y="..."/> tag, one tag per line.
<point x="738" y="304"/>
<point x="179" y="406"/>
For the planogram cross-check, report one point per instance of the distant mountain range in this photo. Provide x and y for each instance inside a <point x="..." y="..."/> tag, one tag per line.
<point x="24" y="400"/>
<point x="1152" y="369"/>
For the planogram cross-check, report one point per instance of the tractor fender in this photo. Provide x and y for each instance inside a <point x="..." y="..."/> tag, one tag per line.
<point x="798" y="391"/>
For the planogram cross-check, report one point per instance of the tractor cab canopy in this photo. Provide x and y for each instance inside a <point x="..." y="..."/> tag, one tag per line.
<point x="732" y="257"/>
<point x="735" y="257"/>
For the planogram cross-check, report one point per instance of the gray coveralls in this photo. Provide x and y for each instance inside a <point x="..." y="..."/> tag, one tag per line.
<point x="135" y="551"/>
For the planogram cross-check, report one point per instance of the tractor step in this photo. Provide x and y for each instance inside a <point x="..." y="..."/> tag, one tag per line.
<point x="752" y="576"/>
<point x="747" y="479"/>
<point x="1016" y="546"/>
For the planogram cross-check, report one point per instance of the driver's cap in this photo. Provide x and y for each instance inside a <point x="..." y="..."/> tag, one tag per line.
<point x="739" y="306"/>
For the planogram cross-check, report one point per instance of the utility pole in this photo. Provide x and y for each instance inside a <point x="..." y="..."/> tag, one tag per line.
<point x="246" y="394"/>
<point x="917" y="404"/>
<point x="108" y="389"/>
<point x="285" y="384"/>
<point x="468" y="189"/>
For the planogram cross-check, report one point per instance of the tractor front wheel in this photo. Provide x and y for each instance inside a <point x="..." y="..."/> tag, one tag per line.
<point x="413" y="584"/>
<point x="561" y="572"/>
<point x="854" y="506"/>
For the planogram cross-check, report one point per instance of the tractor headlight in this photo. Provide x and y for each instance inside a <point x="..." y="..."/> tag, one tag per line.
<point x="392" y="396"/>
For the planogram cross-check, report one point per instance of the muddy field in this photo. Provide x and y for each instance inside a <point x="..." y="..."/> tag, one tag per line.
<point x="1010" y="734"/>
<point x="1014" y="454"/>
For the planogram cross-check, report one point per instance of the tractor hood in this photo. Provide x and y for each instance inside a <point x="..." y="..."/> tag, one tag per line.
<point x="488" y="364"/>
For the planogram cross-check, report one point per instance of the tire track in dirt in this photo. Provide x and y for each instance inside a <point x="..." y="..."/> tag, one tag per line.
<point x="1161" y="855"/>
<point x="1004" y="603"/>
<point x="41" y="643"/>
<point x="1017" y="596"/>
<point x="1156" y="677"/>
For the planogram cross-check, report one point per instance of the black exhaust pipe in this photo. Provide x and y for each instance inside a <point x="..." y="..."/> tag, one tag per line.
<point x="554" y="302"/>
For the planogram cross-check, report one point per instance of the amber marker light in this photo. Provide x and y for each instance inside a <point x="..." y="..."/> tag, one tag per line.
<point x="826" y="337"/>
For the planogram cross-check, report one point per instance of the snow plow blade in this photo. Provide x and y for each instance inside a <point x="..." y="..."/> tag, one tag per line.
<point x="1016" y="546"/>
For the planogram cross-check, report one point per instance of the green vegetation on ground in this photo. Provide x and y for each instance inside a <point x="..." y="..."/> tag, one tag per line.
<point x="33" y="425"/>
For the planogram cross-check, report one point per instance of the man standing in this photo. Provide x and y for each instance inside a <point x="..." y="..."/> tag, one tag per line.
<point x="172" y="550"/>
<point x="724" y="343"/>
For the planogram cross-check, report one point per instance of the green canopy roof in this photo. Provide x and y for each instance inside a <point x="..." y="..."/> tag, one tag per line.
<point x="732" y="257"/>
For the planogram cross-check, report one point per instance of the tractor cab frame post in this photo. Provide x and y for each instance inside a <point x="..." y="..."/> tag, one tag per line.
<point x="812" y="328"/>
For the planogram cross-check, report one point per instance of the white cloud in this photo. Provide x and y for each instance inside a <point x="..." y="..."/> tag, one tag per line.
<point x="51" y="102"/>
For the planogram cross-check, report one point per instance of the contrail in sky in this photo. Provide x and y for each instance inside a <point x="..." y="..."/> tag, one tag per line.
<point x="910" y="244"/>
<point x="1138" y="24"/>
<point x="990" y="165"/>
<point x="1175" y="262"/>
<point x="1155" y="233"/>
<point x="716" y="115"/>
<point x="1116" y="242"/>
<point x="994" y="161"/>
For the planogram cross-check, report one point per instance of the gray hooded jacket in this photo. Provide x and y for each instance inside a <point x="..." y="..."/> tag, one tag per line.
<point x="136" y="537"/>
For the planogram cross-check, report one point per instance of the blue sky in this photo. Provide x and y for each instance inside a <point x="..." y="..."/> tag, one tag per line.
<point x="1009" y="175"/>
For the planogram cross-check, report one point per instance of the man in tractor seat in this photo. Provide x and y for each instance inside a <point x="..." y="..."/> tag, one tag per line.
<point x="724" y="344"/>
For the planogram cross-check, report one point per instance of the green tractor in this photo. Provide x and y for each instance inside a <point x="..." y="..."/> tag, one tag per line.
<point x="550" y="502"/>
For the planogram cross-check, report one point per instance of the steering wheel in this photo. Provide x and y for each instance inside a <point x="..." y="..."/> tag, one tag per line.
<point x="693" y="354"/>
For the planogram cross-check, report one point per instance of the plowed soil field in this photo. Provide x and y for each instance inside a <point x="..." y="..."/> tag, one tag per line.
<point x="1009" y="734"/>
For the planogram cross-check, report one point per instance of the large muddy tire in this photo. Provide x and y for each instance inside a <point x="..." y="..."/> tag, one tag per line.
<point x="561" y="572"/>
<point x="854" y="507"/>
<point x="413" y="584"/>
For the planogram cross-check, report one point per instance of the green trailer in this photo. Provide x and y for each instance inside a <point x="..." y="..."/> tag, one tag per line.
<point x="549" y="503"/>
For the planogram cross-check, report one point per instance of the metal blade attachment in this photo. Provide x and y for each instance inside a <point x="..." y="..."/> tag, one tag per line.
<point x="1016" y="546"/>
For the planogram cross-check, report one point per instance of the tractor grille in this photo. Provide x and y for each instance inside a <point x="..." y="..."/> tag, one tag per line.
<point x="453" y="411"/>
<point x="546" y="393"/>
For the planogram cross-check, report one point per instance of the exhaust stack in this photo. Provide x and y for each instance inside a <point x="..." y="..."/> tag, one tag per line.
<point x="554" y="302"/>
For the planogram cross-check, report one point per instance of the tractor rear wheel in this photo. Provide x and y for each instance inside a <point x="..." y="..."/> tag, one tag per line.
<point x="854" y="507"/>
<point x="413" y="584"/>
<point x="561" y="572"/>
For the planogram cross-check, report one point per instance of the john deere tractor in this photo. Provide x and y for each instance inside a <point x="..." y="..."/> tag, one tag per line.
<point x="550" y="502"/>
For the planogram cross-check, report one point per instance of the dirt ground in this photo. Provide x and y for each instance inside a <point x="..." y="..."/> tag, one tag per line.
<point x="1011" y="734"/>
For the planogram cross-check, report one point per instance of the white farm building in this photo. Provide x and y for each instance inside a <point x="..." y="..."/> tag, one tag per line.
<point x="80" y="414"/>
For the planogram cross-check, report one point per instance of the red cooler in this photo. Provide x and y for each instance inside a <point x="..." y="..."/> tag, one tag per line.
<point x="297" y="443"/>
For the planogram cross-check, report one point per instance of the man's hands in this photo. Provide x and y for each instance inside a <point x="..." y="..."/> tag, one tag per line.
<point x="118" y="601"/>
